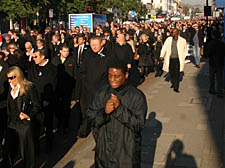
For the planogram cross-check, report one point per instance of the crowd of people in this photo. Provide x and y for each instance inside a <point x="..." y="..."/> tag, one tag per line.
<point x="45" y="74"/>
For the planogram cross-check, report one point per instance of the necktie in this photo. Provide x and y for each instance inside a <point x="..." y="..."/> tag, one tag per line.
<point x="79" y="55"/>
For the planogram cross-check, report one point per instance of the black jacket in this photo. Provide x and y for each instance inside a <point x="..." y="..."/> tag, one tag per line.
<point x="200" y="37"/>
<point x="28" y="103"/>
<point x="4" y="86"/>
<point x="119" y="140"/>
<point x="45" y="79"/>
<point x="54" y="50"/>
<point x="94" y="72"/>
<point x="157" y="50"/>
<point x="75" y="54"/>
<point x="66" y="79"/>
<point x="145" y="52"/>
<point x="215" y="51"/>
<point x="123" y="53"/>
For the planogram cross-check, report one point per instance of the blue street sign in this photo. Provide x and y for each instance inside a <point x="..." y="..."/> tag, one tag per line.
<point x="132" y="14"/>
<point x="220" y="3"/>
<point x="85" y="20"/>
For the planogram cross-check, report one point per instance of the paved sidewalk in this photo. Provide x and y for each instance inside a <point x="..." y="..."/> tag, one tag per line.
<point x="184" y="129"/>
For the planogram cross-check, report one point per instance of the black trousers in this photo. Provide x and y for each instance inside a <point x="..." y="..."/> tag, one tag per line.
<point x="63" y="113"/>
<point x="218" y="73"/>
<point x="3" y="125"/>
<point x="174" y="69"/>
<point x="83" y="130"/>
<point x="20" y="142"/>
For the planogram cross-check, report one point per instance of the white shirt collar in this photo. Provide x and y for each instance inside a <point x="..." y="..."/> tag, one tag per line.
<point x="101" y="50"/>
<point x="82" y="46"/>
<point x="45" y="62"/>
<point x="14" y="96"/>
<point x="31" y="51"/>
<point x="1" y="67"/>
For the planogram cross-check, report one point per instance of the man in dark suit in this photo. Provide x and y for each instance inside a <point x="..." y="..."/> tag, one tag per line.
<point x="124" y="51"/>
<point x="3" y="99"/>
<point x="28" y="56"/>
<point x="78" y="51"/>
<point x="108" y="42"/>
<point x="65" y="90"/>
<point x="55" y="46"/>
<point x="215" y="51"/>
<point x="93" y="75"/>
<point x="44" y="75"/>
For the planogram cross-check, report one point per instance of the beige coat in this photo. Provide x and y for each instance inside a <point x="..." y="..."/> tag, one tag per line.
<point x="166" y="52"/>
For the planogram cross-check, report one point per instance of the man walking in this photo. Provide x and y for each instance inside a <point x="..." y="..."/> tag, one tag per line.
<point x="174" y="52"/>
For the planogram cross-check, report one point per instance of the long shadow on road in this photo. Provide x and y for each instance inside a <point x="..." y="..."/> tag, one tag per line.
<point x="176" y="158"/>
<point x="214" y="110"/>
<point x="62" y="143"/>
<point x="150" y="134"/>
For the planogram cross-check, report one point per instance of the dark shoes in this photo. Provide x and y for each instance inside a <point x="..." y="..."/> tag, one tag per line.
<point x="197" y="66"/>
<point x="171" y="86"/>
<point x="176" y="90"/>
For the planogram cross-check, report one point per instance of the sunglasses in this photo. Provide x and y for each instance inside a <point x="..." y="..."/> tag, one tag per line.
<point x="11" y="77"/>
<point x="34" y="56"/>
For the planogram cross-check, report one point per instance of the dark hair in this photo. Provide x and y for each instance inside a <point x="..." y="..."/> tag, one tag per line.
<point x="41" y="41"/>
<point x="115" y="63"/>
<point x="18" y="53"/>
<point x="215" y="34"/>
<point x="41" y="52"/>
<point x="64" y="46"/>
<point x="81" y="35"/>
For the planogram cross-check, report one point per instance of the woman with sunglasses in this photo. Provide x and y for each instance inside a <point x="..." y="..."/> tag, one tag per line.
<point x="22" y="108"/>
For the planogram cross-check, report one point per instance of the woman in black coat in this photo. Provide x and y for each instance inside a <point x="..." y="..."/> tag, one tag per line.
<point x="157" y="61"/>
<point x="22" y="108"/>
<point x="145" y="54"/>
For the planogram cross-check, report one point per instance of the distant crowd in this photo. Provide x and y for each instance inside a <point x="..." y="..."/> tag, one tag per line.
<point x="68" y="67"/>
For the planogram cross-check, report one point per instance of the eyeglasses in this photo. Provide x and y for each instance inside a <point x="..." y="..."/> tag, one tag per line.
<point x="11" y="77"/>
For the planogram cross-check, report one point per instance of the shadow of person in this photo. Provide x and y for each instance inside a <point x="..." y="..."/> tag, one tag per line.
<point x="70" y="164"/>
<point x="150" y="134"/>
<point x="176" y="157"/>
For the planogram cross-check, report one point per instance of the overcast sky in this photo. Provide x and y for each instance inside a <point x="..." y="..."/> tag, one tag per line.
<point x="195" y="2"/>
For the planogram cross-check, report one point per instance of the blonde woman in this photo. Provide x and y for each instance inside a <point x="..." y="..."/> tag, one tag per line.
<point x="157" y="62"/>
<point x="22" y="108"/>
<point x="145" y="54"/>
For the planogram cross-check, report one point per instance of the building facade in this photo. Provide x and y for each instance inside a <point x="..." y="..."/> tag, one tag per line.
<point x="168" y="6"/>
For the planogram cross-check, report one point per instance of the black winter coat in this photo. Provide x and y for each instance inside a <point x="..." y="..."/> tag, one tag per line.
<point x="215" y="51"/>
<point x="4" y="86"/>
<point x="28" y="103"/>
<point x="45" y="79"/>
<point x="119" y="140"/>
<point x="94" y="72"/>
<point x="66" y="79"/>
<point x="145" y="54"/>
